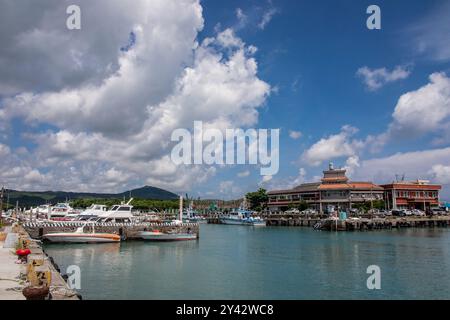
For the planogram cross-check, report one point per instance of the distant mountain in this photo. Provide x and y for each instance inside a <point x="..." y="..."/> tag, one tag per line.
<point x="31" y="198"/>
<point x="148" y="192"/>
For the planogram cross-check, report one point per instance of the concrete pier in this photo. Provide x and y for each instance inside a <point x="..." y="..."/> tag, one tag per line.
<point x="10" y="285"/>
<point x="14" y="277"/>
<point x="357" y="224"/>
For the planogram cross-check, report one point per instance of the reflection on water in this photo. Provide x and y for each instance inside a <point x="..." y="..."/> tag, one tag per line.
<point x="237" y="262"/>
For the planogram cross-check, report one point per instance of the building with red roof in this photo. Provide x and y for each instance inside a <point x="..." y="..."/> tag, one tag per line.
<point x="336" y="192"/>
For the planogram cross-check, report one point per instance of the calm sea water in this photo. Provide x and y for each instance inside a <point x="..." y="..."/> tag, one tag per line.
<point x="238" y="262"/>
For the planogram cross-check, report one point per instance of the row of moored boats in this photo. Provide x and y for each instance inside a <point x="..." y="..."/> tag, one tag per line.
<point x="122" y="213"/>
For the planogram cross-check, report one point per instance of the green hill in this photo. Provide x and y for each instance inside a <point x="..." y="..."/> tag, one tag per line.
<point x="31" y="198"/>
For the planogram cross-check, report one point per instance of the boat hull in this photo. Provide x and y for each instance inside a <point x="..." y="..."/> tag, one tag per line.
<point x="157" y="236"/>
<point x="258" y="224"/>
<point x="243" y="222"/>
<point x="232" y="222"/>
<point x="82" y="238"/>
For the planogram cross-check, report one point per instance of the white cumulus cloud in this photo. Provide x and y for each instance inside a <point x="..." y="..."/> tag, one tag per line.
<point x="374" y="79"/>
<point x="295" y="134"/>
<point x="333" y="146"/>
<point x="111" y="127"/>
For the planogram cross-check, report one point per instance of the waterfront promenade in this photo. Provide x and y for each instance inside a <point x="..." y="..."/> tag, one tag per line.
<point x="14" y="277"/>
<point x="9" y="274"/>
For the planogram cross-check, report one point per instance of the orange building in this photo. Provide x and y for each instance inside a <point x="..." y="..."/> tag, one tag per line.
<point x="418" y="194"/>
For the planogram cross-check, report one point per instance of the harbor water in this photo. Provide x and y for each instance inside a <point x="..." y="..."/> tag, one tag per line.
<point x="239" y="262"/>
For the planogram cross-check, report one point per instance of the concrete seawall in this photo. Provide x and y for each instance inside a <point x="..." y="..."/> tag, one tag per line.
<point x="358" y="224"/>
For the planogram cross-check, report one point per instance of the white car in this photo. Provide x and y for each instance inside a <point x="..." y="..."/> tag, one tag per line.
<point x="408" y="212"/>
<point x="418" y="212"/>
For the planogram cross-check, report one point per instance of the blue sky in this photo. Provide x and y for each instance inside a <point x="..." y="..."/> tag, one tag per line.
<point x="311" y="52"/>
<point x="79" y="113"/>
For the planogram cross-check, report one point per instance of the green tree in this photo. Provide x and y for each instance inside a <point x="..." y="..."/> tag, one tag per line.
<point x="257" y="200"/>
<point x="302" y="206"/>
<point x="367" y="205"/>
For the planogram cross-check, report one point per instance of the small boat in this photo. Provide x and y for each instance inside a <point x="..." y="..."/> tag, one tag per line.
<point x="60" y="211"/>
<point x="156" y="235"/>
<point x="191" y="215"/>
<point x="79" y="236"/>
<point x="197" y="219"/>
<point x="242" y="217"/>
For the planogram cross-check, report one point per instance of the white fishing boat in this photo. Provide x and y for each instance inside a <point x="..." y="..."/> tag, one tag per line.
<point x="94" y="211"/>
<point x="80" y="236"/>
<point x="171" y="235"/>
<point x="198" y="219"/>
<point x="242" y="217"/>
<point x="157" y="235"/>
<point x="60" y="211"/>
<point x="191" y="215"/>
<point x="120" y="213"/>
<point x="40" y="210"/>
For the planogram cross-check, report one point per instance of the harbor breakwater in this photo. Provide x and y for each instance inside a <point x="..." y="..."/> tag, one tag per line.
<point x="359" y="224"/>
<point x="350" y="224"/>
<point x="127" y="231"/>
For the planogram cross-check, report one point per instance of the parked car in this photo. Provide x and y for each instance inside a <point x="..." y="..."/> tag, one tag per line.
<point x="309" y="211"/>
<point x="398" y="213"/>
<point x="418" y="212"/>
<point x="436" y="211"/>
<point x="292" y="211"/>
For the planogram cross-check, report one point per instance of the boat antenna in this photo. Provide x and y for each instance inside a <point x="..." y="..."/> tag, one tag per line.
<point x="181" y="208"/>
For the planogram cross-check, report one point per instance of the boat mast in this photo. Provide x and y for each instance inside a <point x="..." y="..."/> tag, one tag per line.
<point x="181" y="208"/>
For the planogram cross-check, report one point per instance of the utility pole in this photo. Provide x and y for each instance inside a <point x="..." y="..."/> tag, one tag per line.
<point x="371" y="198"/>
<point x="1" y="204"/>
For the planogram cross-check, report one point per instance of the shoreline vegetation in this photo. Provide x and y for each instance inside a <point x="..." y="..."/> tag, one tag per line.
<point x="160" y="205"/>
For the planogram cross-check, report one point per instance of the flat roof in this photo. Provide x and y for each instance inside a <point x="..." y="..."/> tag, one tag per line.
<point x="312" y="187"/>
<point x="351" y="186"/>
<point x="411" y="185"/>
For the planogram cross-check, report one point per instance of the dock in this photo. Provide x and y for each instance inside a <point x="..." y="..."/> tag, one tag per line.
<point x="14" y="277"/>
<point x="356" y="224"/>
<point x="10" y="284"/>
<point x="385" y="223"/>
<point x="127" y="231"/>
